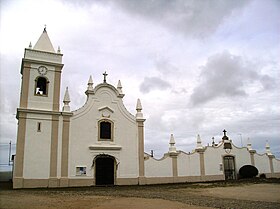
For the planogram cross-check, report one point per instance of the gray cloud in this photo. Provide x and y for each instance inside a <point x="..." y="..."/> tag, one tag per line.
<point x="153" y="83"/>
<point x="267" y="82"/>
<point x="165" y="67"/>
<point x="154" y="38"/>
<point x="226" y="75"/>
<point x="197" y="18"/>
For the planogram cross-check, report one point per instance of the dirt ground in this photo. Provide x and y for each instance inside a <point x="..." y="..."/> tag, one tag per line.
<point x="238" y="194"/>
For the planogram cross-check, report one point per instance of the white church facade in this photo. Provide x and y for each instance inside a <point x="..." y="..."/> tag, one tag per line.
<point x="102" y="143"/>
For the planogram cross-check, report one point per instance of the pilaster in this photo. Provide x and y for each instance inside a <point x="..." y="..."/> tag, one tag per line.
<point x="25" y="71"/>
<point x="174" y="164"/>
<point x="65" y="149"/>
<point x="19" y="160"/>
<point x="271" y="157"/>
<point x="54" y="151"/>
<point x="56" y="91"/>
<point x="252" y="156"/>
<point x="201" y="161"/>
<point x="140" y="125"/>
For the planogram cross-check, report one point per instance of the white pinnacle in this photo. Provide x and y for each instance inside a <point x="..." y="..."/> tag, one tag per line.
<point x="119" y="87"/>
<point x="267" y="147"/>
<point x="139" y="114"/>
<point x="249" y="145"/>
<point x="66" y="96"/>
<point x="198" y="142"/>
<point x="90" y="83"/>
<point x="172" y="140"/>
<point x="66" y="101"/>
<point x="172" y="148"/>
<point x="138" y="106"/>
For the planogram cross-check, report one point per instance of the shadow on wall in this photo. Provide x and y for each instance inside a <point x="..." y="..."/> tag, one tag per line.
<point x="6" y="176"/>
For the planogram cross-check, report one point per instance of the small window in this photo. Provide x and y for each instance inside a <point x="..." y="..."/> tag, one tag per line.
<point x="41" y="86"/>
<point x="105" y="130"/>
<point x="39" y="126"/>
<point x="81" y="171"/>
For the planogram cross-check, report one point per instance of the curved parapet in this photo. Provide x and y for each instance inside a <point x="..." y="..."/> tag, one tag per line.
<point x="104" y="97"/>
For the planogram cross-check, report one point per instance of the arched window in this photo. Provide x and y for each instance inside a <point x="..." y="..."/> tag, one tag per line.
<point x="105" y="130"/>
<point x="41" y="86"/>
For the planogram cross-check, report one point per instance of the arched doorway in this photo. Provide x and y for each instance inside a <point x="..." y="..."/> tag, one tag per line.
<point x="229" y="167"/>
<point x="104" y="170"/>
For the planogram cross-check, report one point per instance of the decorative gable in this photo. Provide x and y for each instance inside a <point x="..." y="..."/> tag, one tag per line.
<point x="106" y="111"/>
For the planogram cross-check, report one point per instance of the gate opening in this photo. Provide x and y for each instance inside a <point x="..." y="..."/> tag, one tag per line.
<point x="229" y="168"/>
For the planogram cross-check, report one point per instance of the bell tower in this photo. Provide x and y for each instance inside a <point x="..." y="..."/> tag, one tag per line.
<point x="38" y="116"/>
<point x="41" y="74"/>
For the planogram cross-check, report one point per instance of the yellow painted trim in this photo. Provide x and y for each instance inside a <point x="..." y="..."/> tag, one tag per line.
<point x="43" y="62"/>
<point x="56" y="90"/>
<point x="141" y="148"/>
<point x="202" y="164"/>
<point x="45" y="112"/>
<point x="65" y="146"/>
<point x="25" y="84"/>
<point x="271" y="165"/>
<point x="54" y="146"/>
<point x="18" y="170"/>
<point x="126" y="181"/>
<point x="174" y="166"/>
<point x="252" y="158"/>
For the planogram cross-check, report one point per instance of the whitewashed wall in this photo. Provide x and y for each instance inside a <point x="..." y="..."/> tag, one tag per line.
<point x="84" y="134"/>
<point x="242" y="157"/>
<point x="276" y="165"/>
<point x="37" y="147"/>
<point x="213" y="159"/>
<point x="158" y="168"/>
<point x="188" y="164"/>
<point x="262" y="163"/>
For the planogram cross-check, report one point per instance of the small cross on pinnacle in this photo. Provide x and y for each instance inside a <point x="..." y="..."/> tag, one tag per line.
<point x="104" y="74"/>
<point x="225" y="132"/>
<point x="45" y="28"/>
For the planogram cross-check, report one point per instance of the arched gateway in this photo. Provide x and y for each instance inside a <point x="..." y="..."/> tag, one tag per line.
<point x="229" y="167"/>
<point x="104" y="170"/>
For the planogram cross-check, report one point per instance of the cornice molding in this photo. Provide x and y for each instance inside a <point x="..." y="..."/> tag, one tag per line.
<point x="44" y="112"/>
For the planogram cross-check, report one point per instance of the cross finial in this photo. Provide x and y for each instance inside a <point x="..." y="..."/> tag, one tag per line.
<point x="104" y="74"/>
<point x="45" y="28"/>
<point x="225" y="132"/>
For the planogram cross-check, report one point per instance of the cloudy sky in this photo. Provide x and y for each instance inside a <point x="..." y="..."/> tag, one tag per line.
<point x="198" y="66"/>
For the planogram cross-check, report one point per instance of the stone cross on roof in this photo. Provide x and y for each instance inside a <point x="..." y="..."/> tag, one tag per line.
<point x="104" y="74"/>
<point x="225" y="132"/>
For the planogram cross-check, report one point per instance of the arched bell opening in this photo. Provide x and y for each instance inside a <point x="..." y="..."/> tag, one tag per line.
<point x="41" y="86"/>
